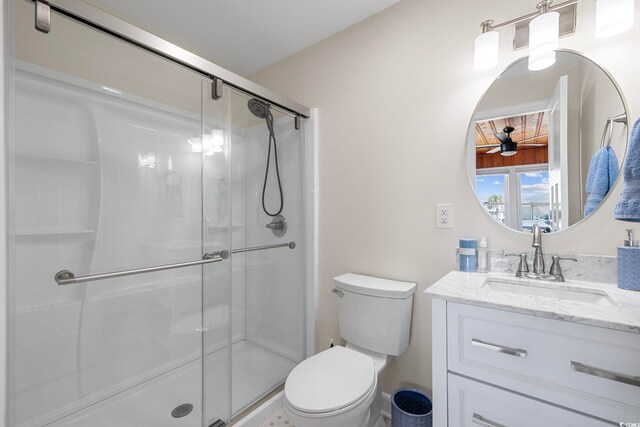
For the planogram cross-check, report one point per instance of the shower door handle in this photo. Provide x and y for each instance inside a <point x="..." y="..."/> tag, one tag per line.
<point x="66" y="277"/>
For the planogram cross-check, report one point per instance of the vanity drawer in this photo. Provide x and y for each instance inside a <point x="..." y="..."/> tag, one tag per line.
<point x="473" y="404"/>
<point x="589" y="362"/>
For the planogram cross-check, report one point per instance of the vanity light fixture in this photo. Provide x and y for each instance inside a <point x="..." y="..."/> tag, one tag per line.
<point x="487" y="47"/>
<point x="613" y="17"/>
<point x="544" y="32"/>
<point x="541" y="30"/>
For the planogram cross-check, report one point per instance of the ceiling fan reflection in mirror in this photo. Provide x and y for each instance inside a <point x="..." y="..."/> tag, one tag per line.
<point x="507" y="146"/>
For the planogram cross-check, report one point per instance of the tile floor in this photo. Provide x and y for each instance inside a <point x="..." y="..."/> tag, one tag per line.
<point x="279" y="419"/>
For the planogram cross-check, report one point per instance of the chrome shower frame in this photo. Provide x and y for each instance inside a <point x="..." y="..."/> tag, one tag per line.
<point x="105" y="22"/>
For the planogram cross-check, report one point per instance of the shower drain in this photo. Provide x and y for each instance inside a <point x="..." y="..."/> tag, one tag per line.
<point x="182" y="410"/>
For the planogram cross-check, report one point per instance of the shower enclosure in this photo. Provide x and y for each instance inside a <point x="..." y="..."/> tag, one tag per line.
<point x="145" y="286"/>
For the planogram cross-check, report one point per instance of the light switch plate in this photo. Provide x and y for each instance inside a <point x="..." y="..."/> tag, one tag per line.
<point x="444" y="215"/>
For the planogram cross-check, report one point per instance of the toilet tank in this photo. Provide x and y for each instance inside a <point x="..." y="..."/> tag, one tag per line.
<point x="374" y="313"/>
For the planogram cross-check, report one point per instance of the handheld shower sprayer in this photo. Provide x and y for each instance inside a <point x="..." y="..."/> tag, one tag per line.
<point x="262" y="110"/>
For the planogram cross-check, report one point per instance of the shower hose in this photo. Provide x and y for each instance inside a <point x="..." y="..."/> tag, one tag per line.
<point x="272" y="138"/>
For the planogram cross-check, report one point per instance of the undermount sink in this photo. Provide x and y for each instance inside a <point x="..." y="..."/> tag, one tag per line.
<point x="550" y="290"/>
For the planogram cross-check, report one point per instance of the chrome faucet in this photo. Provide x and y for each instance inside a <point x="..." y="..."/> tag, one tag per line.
<point x="538" y="258"/>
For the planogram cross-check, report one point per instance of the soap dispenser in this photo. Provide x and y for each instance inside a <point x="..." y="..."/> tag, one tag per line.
<point x="629" y="263"/>
<point x="482" y="255"/>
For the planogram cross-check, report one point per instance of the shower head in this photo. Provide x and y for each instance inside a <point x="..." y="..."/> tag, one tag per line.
<point x="259" y="108"/>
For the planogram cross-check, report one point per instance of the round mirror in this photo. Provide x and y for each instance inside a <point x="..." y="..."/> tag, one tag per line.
<point x="547" y="146"/>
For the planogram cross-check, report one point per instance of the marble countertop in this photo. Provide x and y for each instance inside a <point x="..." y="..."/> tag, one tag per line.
<point x="622" y="312"/>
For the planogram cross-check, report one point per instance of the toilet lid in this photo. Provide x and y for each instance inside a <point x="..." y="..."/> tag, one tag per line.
<point x="330" y="380"/>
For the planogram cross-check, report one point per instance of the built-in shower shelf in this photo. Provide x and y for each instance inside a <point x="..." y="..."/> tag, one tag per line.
<point x="224" y="227"/>
<point x="52" y="233"/>
<point x="46" y="306"/>
<point x="55" y="161"/>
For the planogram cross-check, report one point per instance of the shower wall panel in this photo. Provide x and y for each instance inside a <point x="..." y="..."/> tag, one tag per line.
<point x="275" y="282"/>
<point x="101" y="185"/>
<point x="105" y="176"/>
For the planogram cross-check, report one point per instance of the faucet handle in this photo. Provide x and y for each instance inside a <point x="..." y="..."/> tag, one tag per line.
<point x="523" y="266"/>
<point x="555" y="269"/>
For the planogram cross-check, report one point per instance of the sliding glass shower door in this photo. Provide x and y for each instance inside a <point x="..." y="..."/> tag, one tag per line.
<point x="157" y="237"/>
<point x="268" y="280"/>
<point x="110" y="157"/>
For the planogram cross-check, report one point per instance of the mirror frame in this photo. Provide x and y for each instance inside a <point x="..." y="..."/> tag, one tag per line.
<point x="471" y="121"/>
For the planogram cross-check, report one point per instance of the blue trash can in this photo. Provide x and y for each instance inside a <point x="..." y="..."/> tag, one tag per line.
<point x="411" y="408"/>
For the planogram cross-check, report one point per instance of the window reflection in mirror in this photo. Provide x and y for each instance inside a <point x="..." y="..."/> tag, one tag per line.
<point x="532" y="139"/>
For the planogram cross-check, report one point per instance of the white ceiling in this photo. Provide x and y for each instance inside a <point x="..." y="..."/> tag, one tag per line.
<point x="244" y="36"/>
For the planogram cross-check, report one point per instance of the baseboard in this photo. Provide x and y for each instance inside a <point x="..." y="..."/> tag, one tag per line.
<point x="262" y="413"/>
<point x="386" y="405"/>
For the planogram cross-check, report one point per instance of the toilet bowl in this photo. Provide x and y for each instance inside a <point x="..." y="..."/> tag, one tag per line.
<point x="339" y="387"/>
<point x="334" y="388"/>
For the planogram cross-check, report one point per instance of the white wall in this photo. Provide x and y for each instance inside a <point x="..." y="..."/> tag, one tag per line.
<point x="396" y="93"/>
<point x="599" y="102"/>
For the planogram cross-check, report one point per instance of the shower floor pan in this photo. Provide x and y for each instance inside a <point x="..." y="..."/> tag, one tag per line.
<point x="256" y="371"/>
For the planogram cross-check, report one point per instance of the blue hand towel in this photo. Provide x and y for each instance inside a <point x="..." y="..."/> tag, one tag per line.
<point x="628" y="205"/>
<point x="603" y="172"/>
<point x="593" y="168"/>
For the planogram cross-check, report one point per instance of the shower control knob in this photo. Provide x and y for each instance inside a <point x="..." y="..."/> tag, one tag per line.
<point x="275" y="225"/>
<point x="278" y="226"/>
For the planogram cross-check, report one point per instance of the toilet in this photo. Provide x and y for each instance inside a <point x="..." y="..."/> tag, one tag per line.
<point x="339" y="386"/>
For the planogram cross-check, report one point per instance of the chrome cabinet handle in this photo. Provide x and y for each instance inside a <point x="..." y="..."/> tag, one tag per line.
<point x="481" y="421"/>
<point x="518" y="352"/>
<point x="603" y="373"/>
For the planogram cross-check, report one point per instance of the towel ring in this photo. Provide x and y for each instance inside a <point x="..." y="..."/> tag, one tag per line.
<point x="608" y="130"/>
<point x="620" y="118"/>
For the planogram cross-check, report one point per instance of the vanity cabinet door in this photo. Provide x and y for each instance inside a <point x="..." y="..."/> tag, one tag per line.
<point x="592" y="363"/>
<point x="473" y="404"/>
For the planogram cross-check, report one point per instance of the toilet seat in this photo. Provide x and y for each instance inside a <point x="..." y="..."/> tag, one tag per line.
<point x="331" y="382"/>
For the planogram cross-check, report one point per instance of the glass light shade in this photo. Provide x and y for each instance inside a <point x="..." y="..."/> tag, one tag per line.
<point x="487" y="47"/>
<point x="542" y="60"/>
<point x="544" y="32"/>
<point x="508" y="153"/>
<point x="613" y="17"/>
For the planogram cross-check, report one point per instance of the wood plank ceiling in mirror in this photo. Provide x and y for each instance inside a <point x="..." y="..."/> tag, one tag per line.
<point x="531" y="134"/>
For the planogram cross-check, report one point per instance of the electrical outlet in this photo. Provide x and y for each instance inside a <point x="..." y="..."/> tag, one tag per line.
<point x="444" y="215"/>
